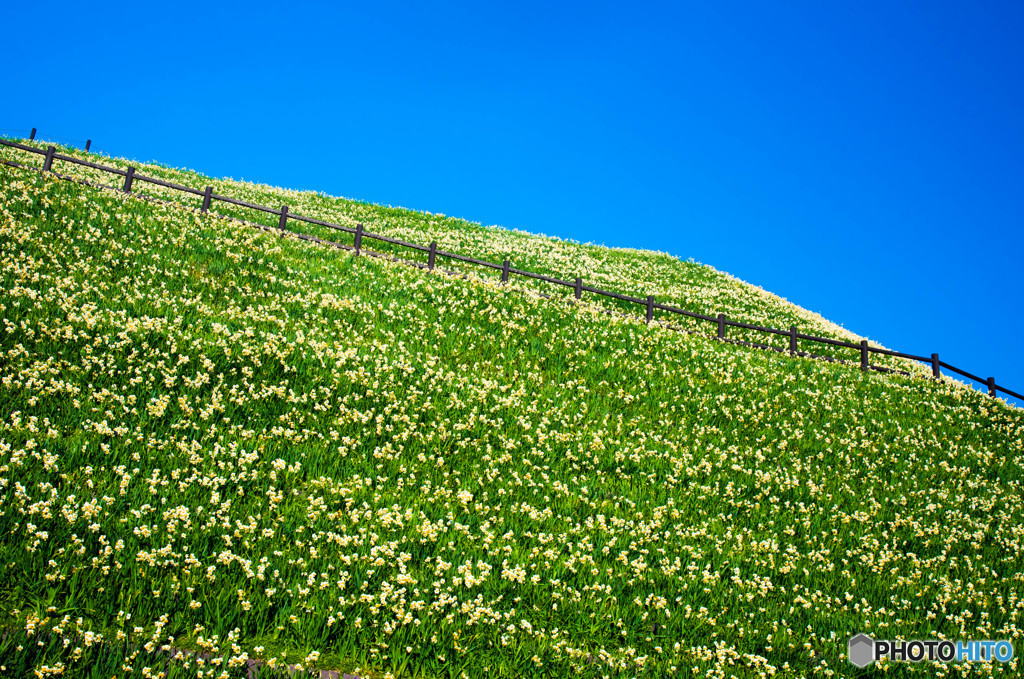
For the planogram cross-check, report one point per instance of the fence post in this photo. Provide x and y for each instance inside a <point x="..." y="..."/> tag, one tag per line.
<point x="721" y="326"/>
<point x="935" y="367"/>
<point x="792" y="340"/>
<point x="128" y="178"/>
<point x="207" y="198"/>
<point x="48" y="163"/>
<point x="579" y="287"/>
<point x="88" y="143"/>
<point x="504" y="271"/>
<point x="432" y="255"/>
<point x="992" y="387"/>
<point x="359" y="238"/>
<point x="863" y="354"/>
<point x="284" y="219"/>
<point x="650" y="308"/>
<point x="32" y="136"/>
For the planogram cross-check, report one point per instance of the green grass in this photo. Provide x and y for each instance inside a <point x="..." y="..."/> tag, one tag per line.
<point x="638" y="273"/>
<point x="222" y="432"/>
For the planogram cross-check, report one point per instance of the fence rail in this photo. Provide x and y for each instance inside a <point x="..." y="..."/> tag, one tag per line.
<point x="359" y="233"/>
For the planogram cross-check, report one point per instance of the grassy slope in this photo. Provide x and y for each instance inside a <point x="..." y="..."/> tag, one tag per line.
<point x="684" y="284"/>
<point x="409" y="473"/>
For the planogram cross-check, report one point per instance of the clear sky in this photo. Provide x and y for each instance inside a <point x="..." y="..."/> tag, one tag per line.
<point x="864" y="160"/>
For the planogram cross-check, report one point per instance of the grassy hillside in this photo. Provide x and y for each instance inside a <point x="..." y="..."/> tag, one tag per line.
<point x="684" y="284"/>
<point x="212" y="437"/>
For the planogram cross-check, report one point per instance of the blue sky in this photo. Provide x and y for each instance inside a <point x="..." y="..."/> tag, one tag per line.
<point x="864" y="160"/>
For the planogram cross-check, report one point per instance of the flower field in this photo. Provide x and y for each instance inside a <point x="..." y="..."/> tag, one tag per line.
<point x="215" y="439"/>
<point x="686" y="285"/>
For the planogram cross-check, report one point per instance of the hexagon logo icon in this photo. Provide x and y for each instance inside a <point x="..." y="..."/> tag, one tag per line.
<point x="862" y="650"/>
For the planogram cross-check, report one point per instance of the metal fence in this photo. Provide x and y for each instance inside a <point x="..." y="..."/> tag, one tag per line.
<point x="359" y="234"/>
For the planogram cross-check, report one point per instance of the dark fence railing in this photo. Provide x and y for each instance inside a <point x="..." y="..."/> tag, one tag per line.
<point x="88" y="142"/>
<point x="359" y="234"/>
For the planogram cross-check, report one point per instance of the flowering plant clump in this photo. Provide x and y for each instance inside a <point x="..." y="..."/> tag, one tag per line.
<point x="218" y="440"/>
